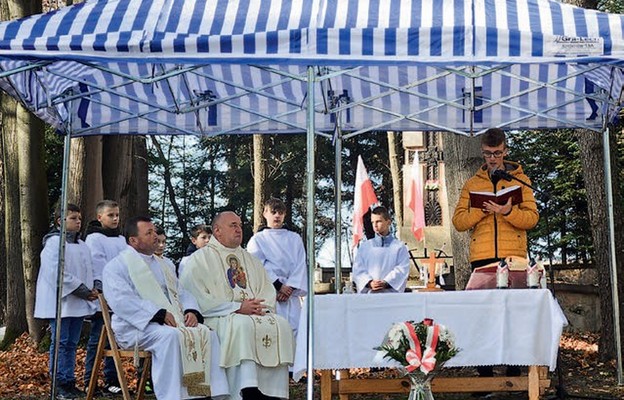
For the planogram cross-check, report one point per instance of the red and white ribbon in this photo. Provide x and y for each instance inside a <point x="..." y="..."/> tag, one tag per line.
<point x="414" y="356"/>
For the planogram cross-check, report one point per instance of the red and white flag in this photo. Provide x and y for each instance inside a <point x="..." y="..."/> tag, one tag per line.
<point x="363" y="198"/>
<point x="416" y="200"/>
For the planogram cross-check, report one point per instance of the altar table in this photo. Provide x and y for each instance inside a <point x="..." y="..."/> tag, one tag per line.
<point x="491" y="327"/>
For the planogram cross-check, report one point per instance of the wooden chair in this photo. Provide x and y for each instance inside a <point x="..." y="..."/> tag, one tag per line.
<point x="117" y="354"/>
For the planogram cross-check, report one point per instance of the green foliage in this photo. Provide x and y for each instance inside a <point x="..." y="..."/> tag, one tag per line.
<point x="611" y="6"/>
<point x="551" y="160"/>
<point x="213" y="174"/>
<point x="53" y="160"/>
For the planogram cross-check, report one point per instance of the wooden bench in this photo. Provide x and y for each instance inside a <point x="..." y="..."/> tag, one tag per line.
<point x="535" y="383"/>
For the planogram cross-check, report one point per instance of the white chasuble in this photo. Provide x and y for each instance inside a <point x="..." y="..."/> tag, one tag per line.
<point x="220" y="278"/>
<point x="194" y="341"/>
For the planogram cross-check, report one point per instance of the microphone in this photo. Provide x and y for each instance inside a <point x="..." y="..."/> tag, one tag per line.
<point x="501" y="174"/>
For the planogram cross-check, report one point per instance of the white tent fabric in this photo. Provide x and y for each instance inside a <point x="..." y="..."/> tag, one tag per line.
<point x="213" y="67"/>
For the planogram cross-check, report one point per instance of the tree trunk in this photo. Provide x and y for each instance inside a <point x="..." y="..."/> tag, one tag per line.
<point x="259" y="177"/>
<point x="181" y="218"/>
<point x="462" y="158"/>
<point x="85" y="175"/>
<point x="395" y="171"/>
<point x="15" y="302"/>
<point x="33" y="206"/>
<point x="591" y="153"/>
<point x="124" y="174"/>
<point x="3" y="260"/>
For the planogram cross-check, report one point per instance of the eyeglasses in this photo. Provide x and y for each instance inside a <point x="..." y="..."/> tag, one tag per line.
<point x="489" y="154"/>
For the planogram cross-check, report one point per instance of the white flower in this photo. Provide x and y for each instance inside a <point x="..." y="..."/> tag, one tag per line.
<point x="395" y="334"/>
<point x="447" y="336"/>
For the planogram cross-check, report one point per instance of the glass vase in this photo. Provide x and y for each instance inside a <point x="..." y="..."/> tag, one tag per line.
<point x="420" y="386"/>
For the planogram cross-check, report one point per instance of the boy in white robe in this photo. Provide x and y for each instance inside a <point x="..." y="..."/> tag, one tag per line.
<point x="237" y="299"/>
<point x="151" y="310"/>
<point x="77" y="299"/>
<point x="105" y="241"/>
<point x="381" y="263"/>
<point x="282" y="253"/>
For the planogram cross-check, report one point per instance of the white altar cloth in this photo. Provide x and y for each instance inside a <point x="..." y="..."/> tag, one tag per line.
<point x="491" y="327"/>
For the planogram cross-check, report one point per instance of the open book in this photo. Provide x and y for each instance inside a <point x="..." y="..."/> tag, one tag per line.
<point x="478" y="198"/>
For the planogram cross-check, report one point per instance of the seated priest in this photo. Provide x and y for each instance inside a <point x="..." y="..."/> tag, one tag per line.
<point x="152" y="311"/>
<point x="237" y="299"/>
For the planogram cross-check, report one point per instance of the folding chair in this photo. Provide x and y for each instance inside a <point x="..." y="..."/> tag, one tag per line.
<point x="117" y="354"/>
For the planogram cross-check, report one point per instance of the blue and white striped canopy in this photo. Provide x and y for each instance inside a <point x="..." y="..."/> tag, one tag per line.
<point x="211" y="67"/>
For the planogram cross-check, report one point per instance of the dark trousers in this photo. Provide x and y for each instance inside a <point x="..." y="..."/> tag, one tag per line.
<point x="110" y="373"/>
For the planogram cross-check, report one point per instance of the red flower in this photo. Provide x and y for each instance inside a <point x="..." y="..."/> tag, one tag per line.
<point x="428" y="322"/>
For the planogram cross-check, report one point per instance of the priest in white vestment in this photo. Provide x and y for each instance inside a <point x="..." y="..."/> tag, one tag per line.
<point x="237" y="298"/>
<point x="153" y="312"/>
<point x="282" y="253"/>
<point x="382" y="263"/>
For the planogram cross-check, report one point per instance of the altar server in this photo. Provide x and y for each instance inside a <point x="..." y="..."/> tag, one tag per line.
<point x="152" y="311"/>
<point x="381" y="263"/>
<point x="77" y="299"/>
<point x="281" y="252"/>
<point x="105" y="241"/>
<point x="237" y="298"/>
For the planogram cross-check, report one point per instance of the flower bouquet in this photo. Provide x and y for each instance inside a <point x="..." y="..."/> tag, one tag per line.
<point x="421" y="348"/>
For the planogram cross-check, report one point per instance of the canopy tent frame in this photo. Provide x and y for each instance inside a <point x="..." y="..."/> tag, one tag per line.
<point x="144" y="67"/>
<point x="310" y="212"/>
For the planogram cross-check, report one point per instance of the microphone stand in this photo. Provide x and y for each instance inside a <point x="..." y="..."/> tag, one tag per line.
<point x="561" y="392"/>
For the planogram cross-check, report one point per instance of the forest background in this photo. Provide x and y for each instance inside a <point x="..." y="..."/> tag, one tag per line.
<point x="182" y="181"/>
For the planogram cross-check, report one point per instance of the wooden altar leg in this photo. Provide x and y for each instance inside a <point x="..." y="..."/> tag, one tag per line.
<point x="326" y="384"/>
<point x="534" y="382"/>
<point x="344" y="375"/>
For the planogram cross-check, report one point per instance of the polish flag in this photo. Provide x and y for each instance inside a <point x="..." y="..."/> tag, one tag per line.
<point x="416" y="200"/>
<point x="363" y="198"/>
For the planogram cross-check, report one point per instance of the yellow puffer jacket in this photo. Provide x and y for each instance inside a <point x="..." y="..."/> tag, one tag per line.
<point x="496" y="236"/>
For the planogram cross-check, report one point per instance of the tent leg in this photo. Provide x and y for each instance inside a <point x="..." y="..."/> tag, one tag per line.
<point x="61" y="258"/>
<point x="310" y="218"/>
<point x="338" y="209"/>
<point x="612" y="255"/>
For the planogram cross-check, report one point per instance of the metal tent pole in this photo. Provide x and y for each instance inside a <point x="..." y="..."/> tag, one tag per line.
<point x="338" y="208"/>
<point x="61" y="257"/>
<point x="612" y="253"/>
<point x="310" y="151"/>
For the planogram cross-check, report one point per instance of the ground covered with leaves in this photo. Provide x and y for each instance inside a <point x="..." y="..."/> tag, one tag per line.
<point x="24" y="374"/>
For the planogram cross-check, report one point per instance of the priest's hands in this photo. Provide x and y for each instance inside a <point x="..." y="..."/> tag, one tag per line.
<point x="284" y="293"/>
<point x="252" y="307"/>
<point x="378" y="284"/>
<point x="170" y="320"/>
<point x="190" y="320"/>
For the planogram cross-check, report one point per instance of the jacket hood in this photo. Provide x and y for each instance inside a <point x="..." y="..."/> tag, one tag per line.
<point x="70" y="237"/>
<point x="96" y="227"/>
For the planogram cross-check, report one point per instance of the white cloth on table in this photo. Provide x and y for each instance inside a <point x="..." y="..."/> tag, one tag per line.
<point x="76" y="271"/>
<point x="491" y="327"/>
<point x="131" y="323"/>
<point x="282" y="253"/>
<point x="220" y="278"/>
<point x="381" y="258"/>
